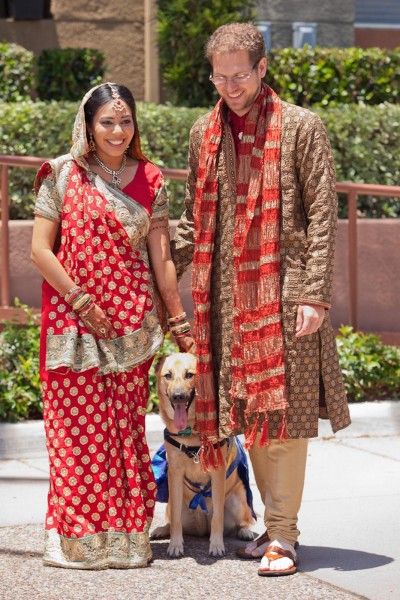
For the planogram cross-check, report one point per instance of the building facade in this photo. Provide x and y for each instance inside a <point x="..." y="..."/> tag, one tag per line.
<point x="124" y="30"/>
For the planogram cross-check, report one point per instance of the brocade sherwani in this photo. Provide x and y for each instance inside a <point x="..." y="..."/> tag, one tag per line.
<point x="307" y="241"/>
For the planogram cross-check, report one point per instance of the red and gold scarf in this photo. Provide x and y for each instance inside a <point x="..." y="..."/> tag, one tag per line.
<point x="258" y="371"/>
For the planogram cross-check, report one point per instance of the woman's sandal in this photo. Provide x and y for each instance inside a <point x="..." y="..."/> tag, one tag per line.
<point x="274" y="553"/>
<point x="262" y="539"/>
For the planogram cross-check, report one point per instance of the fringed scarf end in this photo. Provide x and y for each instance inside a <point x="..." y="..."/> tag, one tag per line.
<point x="264" y="437"/>
<point x="234" y="417"/>
<point x="211" y="458"/>
<point x="283" y="432"/>
<point x="250" y="434"/>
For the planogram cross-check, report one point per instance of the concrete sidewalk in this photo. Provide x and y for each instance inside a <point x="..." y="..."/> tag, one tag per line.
<point x="350" y="543"/>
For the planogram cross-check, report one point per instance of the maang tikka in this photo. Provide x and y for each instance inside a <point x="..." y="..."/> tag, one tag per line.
<point x="118" y="104"/>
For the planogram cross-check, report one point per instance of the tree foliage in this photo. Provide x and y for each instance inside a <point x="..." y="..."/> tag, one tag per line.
<point x="184" y="27"/>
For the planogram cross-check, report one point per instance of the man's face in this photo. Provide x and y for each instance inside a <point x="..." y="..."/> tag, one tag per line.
<point x="241" y="82"/>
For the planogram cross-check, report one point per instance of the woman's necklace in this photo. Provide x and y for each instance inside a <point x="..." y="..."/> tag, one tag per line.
<point x="116" y="181"/>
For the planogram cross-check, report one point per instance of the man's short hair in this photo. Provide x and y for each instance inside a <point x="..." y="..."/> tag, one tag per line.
<point x="234" y="37"/>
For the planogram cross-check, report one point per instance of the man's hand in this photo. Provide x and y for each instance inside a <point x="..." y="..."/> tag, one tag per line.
<point x="309" y="319"/>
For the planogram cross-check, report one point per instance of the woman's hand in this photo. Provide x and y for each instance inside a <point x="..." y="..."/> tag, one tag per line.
<point x="98" y="324"/>
<point x="186" y="343"/>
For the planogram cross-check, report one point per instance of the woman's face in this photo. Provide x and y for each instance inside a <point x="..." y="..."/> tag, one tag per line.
<point x="112" y="129"/>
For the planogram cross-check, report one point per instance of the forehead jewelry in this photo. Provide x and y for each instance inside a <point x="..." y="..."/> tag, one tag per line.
<point x="115" y="179"/>
<point x="118" y="104"/>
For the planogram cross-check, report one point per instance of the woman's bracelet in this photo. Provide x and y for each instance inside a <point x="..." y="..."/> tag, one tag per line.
<point x="73" y="294"/>
<point x="179" y="335"/>
<point x="180" y="329"/>
<point x="81" y="302"/>
<point x="177" y="319"/>
<point x="86" y="309"/>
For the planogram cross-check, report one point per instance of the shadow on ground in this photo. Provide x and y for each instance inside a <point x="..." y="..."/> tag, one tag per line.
<point x="311" y="558"/>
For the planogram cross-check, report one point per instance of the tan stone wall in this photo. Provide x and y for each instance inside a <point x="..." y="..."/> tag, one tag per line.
<point x="378" y="260"/>
<point x="116" y="28"/>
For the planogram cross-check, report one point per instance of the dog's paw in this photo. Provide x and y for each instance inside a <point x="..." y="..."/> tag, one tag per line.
<point x="216" y="548"/>
<point x="175" y="549"/>
<point x="244" y="533"/>
<point x="160" y="533"/>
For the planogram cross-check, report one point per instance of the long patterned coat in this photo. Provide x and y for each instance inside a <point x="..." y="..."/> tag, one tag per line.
<point x="308" y="231"/>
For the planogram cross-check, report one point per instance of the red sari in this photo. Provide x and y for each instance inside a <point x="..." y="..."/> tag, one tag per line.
<point x="102" y="491"/>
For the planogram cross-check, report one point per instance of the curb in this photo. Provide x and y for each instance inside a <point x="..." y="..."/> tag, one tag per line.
<point x="27" y="439"/>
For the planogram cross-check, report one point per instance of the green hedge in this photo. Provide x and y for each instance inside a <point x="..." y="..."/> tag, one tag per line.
<point x="67" y="73"/>
<point x="332" y="76"/>
<point x="371" y="370"/>
<point x="57" y="74"/>
<point x="17" y="72"/>
<point x="365" y="140"/>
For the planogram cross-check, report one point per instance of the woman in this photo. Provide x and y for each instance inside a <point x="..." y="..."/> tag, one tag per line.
<point x="101" y="218"/>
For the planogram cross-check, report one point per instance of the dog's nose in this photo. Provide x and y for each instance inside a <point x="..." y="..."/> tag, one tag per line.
<point x="178" y="396"/>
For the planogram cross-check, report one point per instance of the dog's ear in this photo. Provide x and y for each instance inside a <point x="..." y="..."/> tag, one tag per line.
<point x="158" y="364"/>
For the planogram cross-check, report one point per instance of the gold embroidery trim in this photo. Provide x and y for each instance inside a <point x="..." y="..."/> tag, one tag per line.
<point x="83" y="352"/>
<point x="111" y="549"/>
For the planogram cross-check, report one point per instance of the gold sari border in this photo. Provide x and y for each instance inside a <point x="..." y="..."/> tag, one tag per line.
<point x="84" y="352"/>
<point x="104" y="550"/>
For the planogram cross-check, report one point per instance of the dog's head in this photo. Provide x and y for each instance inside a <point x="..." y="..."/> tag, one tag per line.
<point x="176" y="388"/>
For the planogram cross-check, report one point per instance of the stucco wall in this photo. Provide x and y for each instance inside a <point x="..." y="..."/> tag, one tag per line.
<point x="116" y="28"/>
<point x="379" y="262"/>
<point x="334" y="20"/>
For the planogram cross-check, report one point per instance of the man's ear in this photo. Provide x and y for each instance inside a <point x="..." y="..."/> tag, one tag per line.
<point x="263" y="67"/>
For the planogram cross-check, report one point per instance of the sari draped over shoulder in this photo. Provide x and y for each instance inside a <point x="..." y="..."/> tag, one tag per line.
<point x="103" y="249"/>
<point x="95" y="391"/>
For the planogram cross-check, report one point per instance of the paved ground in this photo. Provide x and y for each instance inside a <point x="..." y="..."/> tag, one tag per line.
<point x="350" y="543"/>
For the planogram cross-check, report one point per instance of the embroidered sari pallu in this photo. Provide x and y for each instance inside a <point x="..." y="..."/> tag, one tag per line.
<point x="95" y="391"/>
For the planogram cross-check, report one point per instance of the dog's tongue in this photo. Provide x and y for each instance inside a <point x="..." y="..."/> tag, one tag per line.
<point x="180" y="416"/>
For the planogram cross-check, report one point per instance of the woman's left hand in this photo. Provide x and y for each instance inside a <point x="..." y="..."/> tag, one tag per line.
<point x="186" y="343"/>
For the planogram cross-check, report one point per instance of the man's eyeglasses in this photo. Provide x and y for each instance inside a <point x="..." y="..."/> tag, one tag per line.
<point x="218" y="80"/>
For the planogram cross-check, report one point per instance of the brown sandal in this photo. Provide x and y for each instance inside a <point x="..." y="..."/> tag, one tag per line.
<point x="274" y="553"/>
<point x="262" y="539"/>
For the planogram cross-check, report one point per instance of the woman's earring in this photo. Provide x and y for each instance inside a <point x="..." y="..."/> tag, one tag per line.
<point x="92" y="145"/>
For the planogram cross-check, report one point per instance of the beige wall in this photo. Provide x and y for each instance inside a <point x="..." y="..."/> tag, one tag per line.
<point x="117" y="28"/>
<point x="379" y="287"/>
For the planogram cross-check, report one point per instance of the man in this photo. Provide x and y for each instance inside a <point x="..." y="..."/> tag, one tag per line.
<point x="260" y="226"/>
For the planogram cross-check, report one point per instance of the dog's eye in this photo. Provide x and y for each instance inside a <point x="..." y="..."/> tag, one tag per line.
<point x="189" y="375"/>
<point x="168" y="375"/>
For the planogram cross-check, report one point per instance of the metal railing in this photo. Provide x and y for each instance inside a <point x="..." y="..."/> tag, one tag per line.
<point x="352" y="191"/>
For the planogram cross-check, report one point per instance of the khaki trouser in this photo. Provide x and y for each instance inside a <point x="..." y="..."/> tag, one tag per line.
<point x="279" y="471"/>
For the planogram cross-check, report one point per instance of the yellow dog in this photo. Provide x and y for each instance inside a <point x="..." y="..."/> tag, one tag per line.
<point x="219" y="501"/>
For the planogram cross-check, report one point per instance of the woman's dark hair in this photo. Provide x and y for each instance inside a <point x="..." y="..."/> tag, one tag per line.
<point x="101" y="96"/>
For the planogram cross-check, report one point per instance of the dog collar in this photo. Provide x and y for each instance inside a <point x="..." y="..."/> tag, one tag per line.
<point x="185" y="432"/>
<point x="190" y="451"/>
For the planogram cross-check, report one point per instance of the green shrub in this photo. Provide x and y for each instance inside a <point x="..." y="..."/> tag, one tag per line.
<point x="17" y="72"/>
<point x="184" y="27"/>
<point x="67" y="73"/>
<point x="365" y="140"/>
<point x="370" y="368"/>
<point x="20" y="394"/>
<point x="334" y="76"/>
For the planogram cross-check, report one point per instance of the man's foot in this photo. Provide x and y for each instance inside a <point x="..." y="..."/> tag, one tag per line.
<point x="280" y="558"/>
<point x="255" y="549"/>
